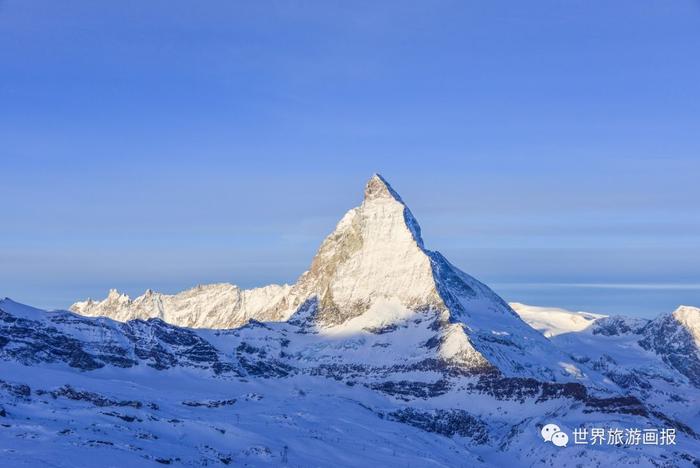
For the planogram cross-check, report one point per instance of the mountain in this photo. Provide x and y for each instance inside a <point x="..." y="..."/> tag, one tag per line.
<point x="382" y="353"/>
<point x="553" y="321"/>
<point x="371" y="271"/>
<point x="657" y="360"/>
<point x="676" y="338"/>
<point x="205" y="306"/>
<point x="144" y="393"/>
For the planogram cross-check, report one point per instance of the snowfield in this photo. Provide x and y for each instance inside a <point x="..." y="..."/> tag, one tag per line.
<point x="553" y="321"/>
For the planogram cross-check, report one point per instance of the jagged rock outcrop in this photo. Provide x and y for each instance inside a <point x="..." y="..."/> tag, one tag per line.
<point x="32" y="336"/>
<point x="206" y="306"/>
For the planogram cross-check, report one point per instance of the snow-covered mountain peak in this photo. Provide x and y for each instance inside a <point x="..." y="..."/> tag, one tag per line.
<point x="374" y="266"/>
<point x="115" y="296"/>
<point x="378" y="187"/>
<point x="371" y="274"/>
<point x="380" y="200"/>
<point x="220" y="305"/>
<point x="374" y="253"/>
<point x="689" y="318"/>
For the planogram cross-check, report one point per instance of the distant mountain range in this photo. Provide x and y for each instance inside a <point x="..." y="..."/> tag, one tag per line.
<point x="383" y="352"/>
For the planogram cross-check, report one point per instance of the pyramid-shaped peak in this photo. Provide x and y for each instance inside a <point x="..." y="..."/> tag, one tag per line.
<point x="378" y="187"/>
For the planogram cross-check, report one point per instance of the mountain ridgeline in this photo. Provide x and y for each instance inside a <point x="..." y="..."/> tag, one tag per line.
<point x="373" y="264"/>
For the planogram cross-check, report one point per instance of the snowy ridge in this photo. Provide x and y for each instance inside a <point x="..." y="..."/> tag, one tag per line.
<point x="205" y="306"/>
<point x="656" y="360"/>
<point x="553" y="321"/>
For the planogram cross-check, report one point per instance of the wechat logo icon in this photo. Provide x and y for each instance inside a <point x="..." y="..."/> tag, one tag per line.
<point x="553" y="433"/>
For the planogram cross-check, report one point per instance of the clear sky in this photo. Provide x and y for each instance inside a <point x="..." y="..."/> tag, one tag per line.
<point x="550" y="148"/>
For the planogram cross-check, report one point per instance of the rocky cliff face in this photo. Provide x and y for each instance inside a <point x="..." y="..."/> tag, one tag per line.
<point x="32" y="336"/>
<point x="676" y="338"/>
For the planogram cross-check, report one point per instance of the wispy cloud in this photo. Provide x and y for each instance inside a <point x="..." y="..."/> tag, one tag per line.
<point x="654" y="286"/>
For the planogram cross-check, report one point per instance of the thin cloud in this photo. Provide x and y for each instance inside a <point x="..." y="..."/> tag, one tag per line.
<point x="647" y="286"/>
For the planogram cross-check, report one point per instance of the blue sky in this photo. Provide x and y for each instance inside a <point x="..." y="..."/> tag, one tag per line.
<point x="545" y="147"/>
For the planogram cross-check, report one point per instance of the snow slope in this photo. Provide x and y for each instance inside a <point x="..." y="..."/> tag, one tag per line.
<point x="78" y="391"/>
<point x="553" y="321"/>
<point x="656" y="360"/>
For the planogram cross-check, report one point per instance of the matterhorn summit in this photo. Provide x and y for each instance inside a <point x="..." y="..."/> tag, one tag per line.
<point x="373" y="270"/>
<point x="375" y="254"/>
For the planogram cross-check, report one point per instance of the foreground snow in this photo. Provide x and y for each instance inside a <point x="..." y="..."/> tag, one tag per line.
<point x="78" y="391"/>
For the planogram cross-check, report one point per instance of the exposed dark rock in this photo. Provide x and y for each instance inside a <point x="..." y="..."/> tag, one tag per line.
<point x="34" y="342"/>
<point x="306" y="315"/>
<point x="265" y="368"/>
<point x="521" y="389"/>
<point x="249" y="349"/>
<point x="209" y="403"/>
<point x="100" y="442"/>
<point x="676" y="346"/>
<point x="16" y="390"/>
<point x="503" y="388"/>
<point x="626" y="404"/>
<point x="342" y="371"/>
<point x="94" y="398"/>
<point x="154" y="342"/>
<point x="382" y="330"/>
<point x="405" y="388"/>
<point x="616" y="325"/>
<point x="450" y="286"/>
<point x="445" y="422"/>
<point x="628" y="380"/>
<point x="123" y="417"/>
